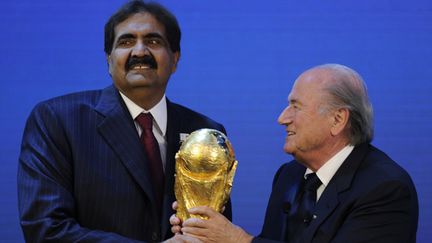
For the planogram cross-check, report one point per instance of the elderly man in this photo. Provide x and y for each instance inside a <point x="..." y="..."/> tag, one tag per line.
<point x="98" y="166"/>
<point x="339" y="188"/>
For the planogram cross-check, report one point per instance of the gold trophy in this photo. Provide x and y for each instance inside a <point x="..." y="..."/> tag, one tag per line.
<point x="205" y="168"/>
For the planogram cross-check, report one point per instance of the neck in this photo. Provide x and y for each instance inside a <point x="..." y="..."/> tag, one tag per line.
<point x="316" y="159"/>
<point x="144" y="98"/>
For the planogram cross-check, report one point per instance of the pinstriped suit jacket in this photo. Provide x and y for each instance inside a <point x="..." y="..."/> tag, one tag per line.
<point x="83" y="174"/>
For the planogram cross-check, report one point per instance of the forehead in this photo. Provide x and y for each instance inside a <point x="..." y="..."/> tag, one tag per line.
<point x="309" y="86"/>
<point x="139" y="23"/>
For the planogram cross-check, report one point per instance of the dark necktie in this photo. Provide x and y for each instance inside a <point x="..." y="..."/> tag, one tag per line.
<point x="151" y="148"/>
<point x="303" y="212"/>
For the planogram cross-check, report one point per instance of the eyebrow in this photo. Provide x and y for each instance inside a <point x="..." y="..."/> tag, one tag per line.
<point x="294" y="101"/>
<point x="149" y="35"/>
<point x="154" y="34"/>
<point x="126" y="36"/>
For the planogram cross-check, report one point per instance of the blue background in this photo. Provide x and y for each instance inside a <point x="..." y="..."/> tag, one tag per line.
<point x="239" y="61"/>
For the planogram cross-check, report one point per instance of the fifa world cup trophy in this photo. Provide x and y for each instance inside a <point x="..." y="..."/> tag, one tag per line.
<point x="205" y="168"/>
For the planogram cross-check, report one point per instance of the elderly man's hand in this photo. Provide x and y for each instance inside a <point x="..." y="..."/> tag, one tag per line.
<point x="216" y="228"/>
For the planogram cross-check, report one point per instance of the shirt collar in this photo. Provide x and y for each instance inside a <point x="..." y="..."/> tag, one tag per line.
<point x="327" y="171"/>
<point x="159" y="111"/>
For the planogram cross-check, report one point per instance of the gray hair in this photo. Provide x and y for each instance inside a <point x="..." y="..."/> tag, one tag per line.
<point x="347" y="89"/>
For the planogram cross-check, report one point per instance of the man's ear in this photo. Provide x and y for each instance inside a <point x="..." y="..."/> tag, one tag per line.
<point x="176" y="60"/>
<point x="340" y="121"/>
<point x="108" y="57"/>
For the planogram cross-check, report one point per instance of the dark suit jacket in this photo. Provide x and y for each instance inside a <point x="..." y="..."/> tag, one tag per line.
<point x="83" y="172"/>
<point x="369" y="199"/>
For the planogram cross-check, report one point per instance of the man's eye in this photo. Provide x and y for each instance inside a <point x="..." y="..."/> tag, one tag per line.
<point x="125" y="42"/>
<point x="295" y="107"/>
<point x="154" y="42"/>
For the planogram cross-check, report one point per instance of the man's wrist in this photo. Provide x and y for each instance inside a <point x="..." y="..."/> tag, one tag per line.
<point x="244" y="237"/>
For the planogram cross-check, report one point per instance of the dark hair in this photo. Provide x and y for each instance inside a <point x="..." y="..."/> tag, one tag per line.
<point x="160" y="13"/>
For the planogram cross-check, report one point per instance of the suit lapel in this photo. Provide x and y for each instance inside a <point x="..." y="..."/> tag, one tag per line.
<point x="119" y="131"/>
<point x="289" y="201"/>
<point x="282" y="204"/>
<point x="173" y="145"/>
<point x="340" y="182"/>
<point x="325" y="206"/>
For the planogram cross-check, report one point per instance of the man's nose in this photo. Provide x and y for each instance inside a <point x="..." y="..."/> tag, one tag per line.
<point x="140" y="50"/>
<point x="285" y="117"/>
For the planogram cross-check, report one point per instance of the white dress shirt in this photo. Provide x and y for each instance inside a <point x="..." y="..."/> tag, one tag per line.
<point x="327" y="171"/>
<point x="159" y="113"/>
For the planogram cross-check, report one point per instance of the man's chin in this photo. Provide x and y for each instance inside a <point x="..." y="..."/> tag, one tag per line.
<point x="289" y="149"/>
<point x="140" y="76"/>
<point x="138" y="80"/>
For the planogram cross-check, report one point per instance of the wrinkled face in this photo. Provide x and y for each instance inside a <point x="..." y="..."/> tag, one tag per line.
<point x="141" y="56"/>
<point x="307" y="127"/>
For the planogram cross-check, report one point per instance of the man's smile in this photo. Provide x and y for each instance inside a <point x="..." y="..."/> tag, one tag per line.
<point x="141" y="63"/>
<point x="140" y="67"/>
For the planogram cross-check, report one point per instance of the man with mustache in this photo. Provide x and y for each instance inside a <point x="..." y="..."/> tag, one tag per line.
<point x="339" y="188"/>
<point x="99" y="165"/>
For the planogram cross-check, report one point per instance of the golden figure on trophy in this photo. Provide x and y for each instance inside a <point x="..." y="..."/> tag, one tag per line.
<point x="205" y="168"/>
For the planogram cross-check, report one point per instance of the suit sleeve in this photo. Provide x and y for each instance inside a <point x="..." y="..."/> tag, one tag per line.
<point x="45" y="184"/>
<point x="228" y="207"/>
<point x="264" y="237"/>
<point x="388" y="213"/>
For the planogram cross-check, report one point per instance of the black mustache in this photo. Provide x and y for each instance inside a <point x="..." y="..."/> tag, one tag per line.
<point x="145" y="60"/>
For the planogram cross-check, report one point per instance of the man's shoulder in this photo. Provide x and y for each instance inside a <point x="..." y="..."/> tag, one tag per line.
<point x="185" y="110"/>
<point x="292" y="165"/>
<point x="192" y="117"/>
<point x="76" y="100"/>
<point x="377" y="170"/>
<point x="291" y="170"/>
<point x="87" y="96"/>
<point x="381" y="165"/>
<point x="68" y="105"/>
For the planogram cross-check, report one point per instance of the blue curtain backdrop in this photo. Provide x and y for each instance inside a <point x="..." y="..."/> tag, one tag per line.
<point x="239" y="60"/>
